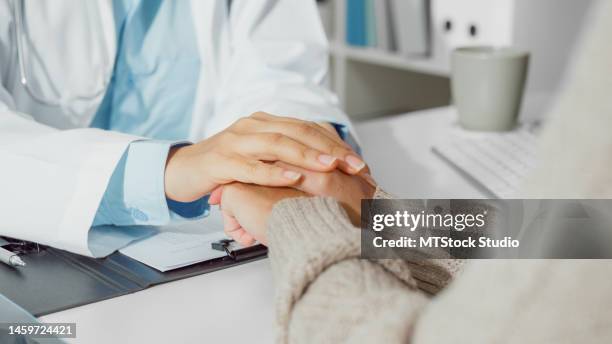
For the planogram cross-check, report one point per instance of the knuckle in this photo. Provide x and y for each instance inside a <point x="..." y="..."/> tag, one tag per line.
<point x="228" y="139"/>
<point x="325" y="126"/>
<point x="239" y="121"/>
<point x="305" y="129"/>
<point x="258" y="114"/>
<point x="318" y="128"/>
<point x="295" y="150"/>
<point x="304" y="154"/>
<point x="244" y="123"/>
<point x="314" y="125"/>
<point x="228" y="135"/>
<point x="275" y="139"/>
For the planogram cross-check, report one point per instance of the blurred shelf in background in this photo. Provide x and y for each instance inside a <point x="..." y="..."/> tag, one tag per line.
<point x="396" y="70"/>
<point x="385" y="58"/>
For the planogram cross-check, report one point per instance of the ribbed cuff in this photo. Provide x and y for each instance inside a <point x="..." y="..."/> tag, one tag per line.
<point x="429" y="275"/>
<point x="302" y="229"/>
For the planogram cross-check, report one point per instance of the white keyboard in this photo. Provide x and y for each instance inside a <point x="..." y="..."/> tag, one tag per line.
<point x="499" y="162"/>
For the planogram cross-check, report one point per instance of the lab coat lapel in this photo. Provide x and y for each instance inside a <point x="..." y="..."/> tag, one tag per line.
<point x="210" y="20"/>
<point x="108" y="24"/>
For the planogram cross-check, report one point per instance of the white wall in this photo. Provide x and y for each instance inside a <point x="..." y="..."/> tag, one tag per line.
<point x="549" y="29"/>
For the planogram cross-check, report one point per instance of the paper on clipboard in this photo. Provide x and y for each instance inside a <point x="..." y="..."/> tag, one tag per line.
<point x="171" y="250"/>
<point x="179" y="246"/>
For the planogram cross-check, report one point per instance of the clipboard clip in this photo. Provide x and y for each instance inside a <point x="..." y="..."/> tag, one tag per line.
<point x="223" y="245"/>
<point x="237" y="253"/>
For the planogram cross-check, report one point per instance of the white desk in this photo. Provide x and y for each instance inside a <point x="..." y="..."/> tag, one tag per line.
<point x="229" y="306"/>
<point x="398" y="150"/>
<point x="236" y="305"/>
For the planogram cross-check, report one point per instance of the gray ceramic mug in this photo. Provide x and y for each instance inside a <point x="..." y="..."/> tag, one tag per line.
<point x="487" y="85"/>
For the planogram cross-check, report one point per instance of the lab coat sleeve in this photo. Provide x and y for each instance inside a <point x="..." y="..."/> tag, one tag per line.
<point x="51" y="181"/>
<point x="275" y="60"/>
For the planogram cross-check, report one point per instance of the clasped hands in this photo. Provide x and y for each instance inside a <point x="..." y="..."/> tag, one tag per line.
<point x="260" y="160"/>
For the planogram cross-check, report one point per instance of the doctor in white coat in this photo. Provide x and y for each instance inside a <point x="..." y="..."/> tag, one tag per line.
<point x="98" y="98"/>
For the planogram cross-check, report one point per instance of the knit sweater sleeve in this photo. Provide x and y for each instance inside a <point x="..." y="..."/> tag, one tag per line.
<point x="325" y="292"/>
<point x="431" y="275"/>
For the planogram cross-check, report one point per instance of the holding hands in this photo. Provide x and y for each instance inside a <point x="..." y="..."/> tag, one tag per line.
<point x="260" y="160"/>
<point x="246" y="208"/>
<point x="240" y="152"/>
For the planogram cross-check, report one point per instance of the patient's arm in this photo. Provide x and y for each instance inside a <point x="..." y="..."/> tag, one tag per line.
<point x="325" y="292"/>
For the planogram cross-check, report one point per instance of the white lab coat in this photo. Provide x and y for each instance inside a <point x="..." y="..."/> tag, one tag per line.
<point x="268" y="55"/>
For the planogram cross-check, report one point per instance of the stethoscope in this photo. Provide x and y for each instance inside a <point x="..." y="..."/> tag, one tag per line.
<point x="57" y="100"/>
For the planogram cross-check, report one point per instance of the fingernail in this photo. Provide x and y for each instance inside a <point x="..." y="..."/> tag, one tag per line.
<point x="291" y="175"/>
<point x="326" y="160"/>
<point x="355" y="162"/>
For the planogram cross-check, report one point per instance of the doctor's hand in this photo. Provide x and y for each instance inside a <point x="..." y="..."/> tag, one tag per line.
<point x="242" y="152"/>
<point x="348" y="190"/>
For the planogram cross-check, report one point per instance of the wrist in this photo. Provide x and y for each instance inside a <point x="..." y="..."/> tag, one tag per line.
<point x="178" y="179"/>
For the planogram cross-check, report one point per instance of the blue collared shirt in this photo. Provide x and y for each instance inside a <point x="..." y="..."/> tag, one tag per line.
<point x="151" y="94"/>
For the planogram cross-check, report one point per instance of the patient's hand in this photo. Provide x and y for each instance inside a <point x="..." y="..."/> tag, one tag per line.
<point x="246" y="209"/>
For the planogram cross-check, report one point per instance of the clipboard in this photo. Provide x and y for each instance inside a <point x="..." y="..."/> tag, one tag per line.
<point x="55" y="280"/>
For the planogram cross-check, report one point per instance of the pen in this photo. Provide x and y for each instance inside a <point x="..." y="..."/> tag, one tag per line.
<point x="10" y="258"/>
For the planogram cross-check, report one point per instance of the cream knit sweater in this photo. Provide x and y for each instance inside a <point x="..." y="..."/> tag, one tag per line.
<point x="326" y="294"/>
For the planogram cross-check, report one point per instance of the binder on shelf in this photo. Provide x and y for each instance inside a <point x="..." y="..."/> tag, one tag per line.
<point x="411" y="24"/>
<point x="55" y="280"/>
<point x="356" y="22"/>
<point x="384" y="31"/>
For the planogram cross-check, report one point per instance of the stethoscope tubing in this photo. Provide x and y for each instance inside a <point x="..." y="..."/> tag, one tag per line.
<point x="19" y="17"/>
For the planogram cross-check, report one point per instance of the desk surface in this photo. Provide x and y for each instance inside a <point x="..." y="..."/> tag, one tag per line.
<point x="229" y="306"/>
<point x="237" y="304"/>
<point x="398" y="150"/>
